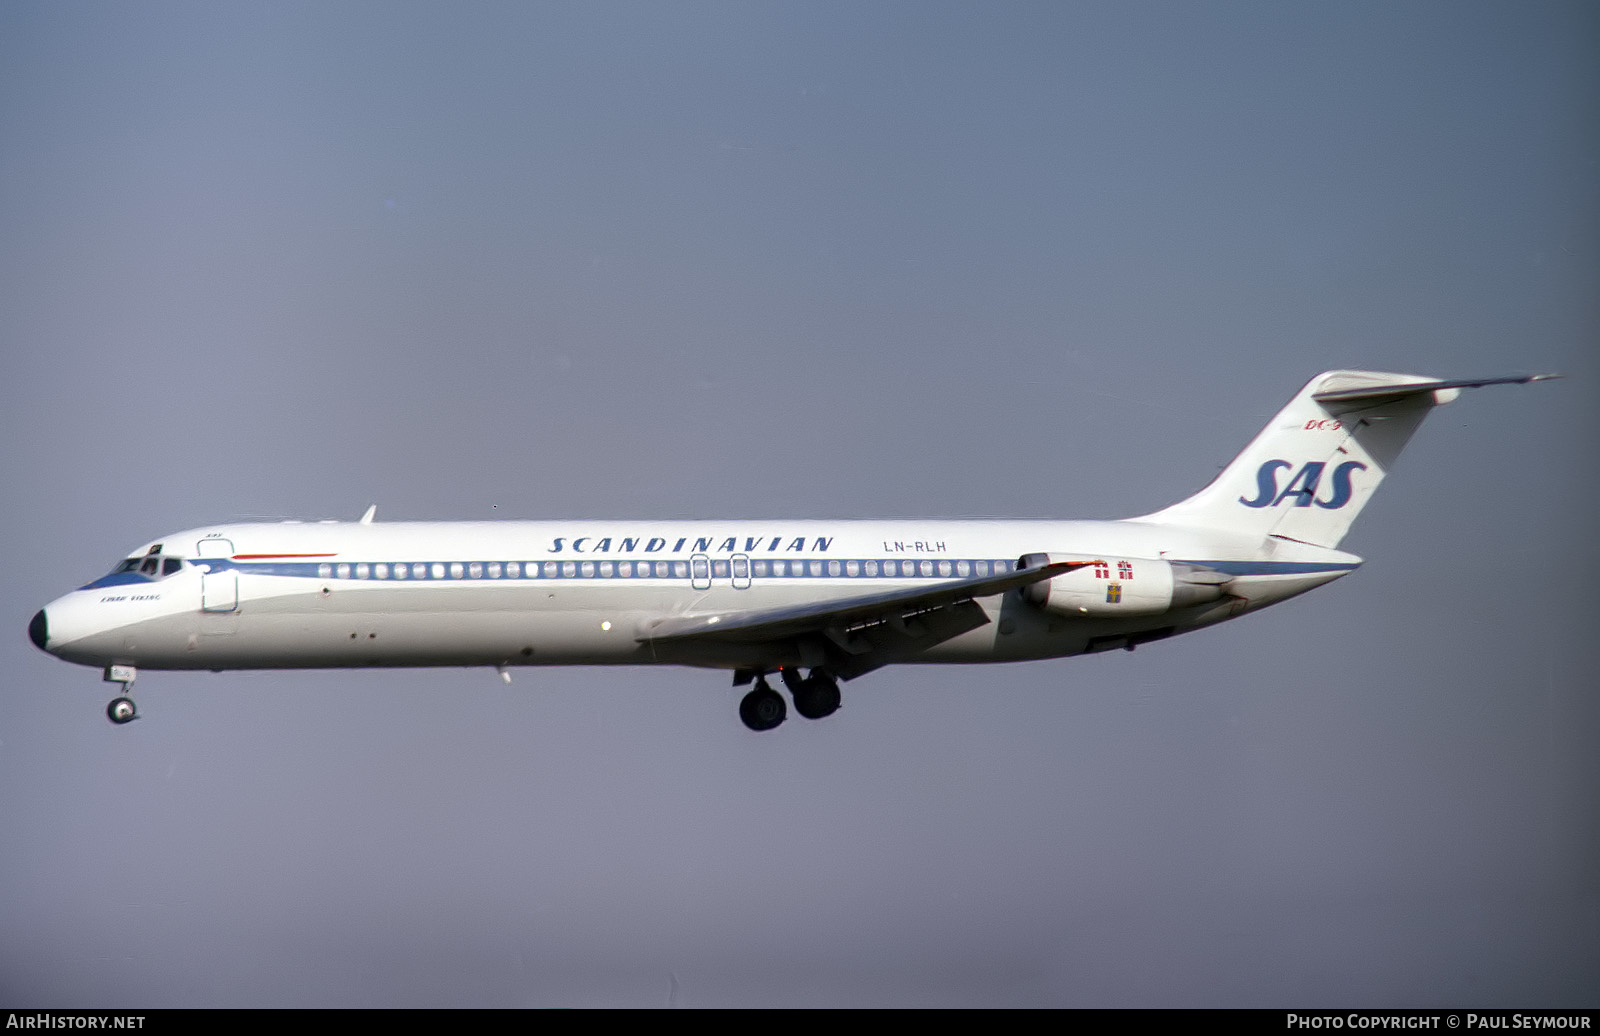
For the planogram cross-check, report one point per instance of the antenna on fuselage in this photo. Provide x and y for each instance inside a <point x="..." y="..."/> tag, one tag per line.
<point x="372" y="512"/>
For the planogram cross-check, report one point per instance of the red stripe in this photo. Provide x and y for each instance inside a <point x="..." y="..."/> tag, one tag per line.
<point x="258" y="557"/>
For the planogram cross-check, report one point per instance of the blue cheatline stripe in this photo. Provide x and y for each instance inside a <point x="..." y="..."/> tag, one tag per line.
<point x="115" y="579"/>
<point x="1275" y="568"/>
<point x="717" y="568"/>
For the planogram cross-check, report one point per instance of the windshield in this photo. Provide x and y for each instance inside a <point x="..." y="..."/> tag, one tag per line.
<point x="144" y="568"/>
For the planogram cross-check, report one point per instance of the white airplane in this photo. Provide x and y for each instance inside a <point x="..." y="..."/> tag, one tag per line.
<point x="836" y="599"/>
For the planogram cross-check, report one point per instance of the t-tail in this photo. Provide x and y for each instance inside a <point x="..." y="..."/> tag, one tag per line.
<point x="1315" y="465"/>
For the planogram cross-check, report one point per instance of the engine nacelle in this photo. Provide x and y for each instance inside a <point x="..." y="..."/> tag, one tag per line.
<point x="1107" y="587"/>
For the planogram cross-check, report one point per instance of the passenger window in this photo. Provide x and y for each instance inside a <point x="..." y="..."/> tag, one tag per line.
<point x="680" y="568"/>
<point x="475" y="570"/>
<point x="569" y="568"/>
<point x="961" y="568"/>
<point x="980" y="568"/>
<point x="833" y="568"/>
<point x="513" y="570"/>
<point x="624" y="568"/>
<point x="401" y="571"/>
<point x="362" y="570"/>
<point x="605" y="570"/>
<point x="381" y="570"/>
<point x="343" y="571"/>
<point x="852" y="568"/>
<point x="324" y="571"/>
<point x="438" y="570"/>
<point x="719" y="569"/>
<point x="494" y="570"/>
<point x="662" y="569"/>
<point x="944" y="568"/>
<point x="871" y="567"/>
<point x="816" y="568"/>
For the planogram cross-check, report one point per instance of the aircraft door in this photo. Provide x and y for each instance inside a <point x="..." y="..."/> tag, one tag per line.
<point x="700" y="571"/>
<point x="219" y="584"/>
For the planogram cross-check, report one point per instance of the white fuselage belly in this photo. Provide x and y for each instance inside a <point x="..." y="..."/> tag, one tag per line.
<point x="330" y="594"/>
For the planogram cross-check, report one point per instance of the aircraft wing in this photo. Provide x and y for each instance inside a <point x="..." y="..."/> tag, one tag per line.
<point x="844" y="613"/>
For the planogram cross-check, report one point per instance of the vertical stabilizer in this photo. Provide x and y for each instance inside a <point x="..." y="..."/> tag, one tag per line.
<point x="1314" y="466"/>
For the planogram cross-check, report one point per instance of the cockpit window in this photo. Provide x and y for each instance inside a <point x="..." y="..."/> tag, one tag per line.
<point x="137" y="570"/>
<point x="150" y="567"/>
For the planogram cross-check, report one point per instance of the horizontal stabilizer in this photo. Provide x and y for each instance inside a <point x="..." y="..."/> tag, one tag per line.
<point x="1390" y="393"/>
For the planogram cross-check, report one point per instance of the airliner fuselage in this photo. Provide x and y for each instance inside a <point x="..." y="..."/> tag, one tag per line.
<point x="332" y="594"/>
<point x="837" y="598"/>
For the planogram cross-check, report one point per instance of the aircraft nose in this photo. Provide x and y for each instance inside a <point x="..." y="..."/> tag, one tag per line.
<point x="39" y="631"/>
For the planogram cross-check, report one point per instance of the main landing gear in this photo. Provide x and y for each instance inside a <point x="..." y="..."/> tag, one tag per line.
<point x="763" y="708"/>
<point x="815" y="697"/>
<point x="122" y="709"/>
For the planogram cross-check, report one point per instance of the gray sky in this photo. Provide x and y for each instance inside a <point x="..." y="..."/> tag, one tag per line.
<point x="806" y="260"/>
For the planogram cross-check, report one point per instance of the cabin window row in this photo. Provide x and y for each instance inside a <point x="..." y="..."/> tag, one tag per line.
<point x="720" y="568"/>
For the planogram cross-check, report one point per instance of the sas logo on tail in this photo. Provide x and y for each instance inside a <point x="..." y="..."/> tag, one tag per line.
<point x="1303" y="487"/>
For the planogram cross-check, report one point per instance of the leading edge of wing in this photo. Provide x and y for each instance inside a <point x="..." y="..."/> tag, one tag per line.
<point x="770" y="623"/>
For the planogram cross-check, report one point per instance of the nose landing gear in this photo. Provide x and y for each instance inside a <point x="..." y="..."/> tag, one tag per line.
<point x="122" y="709"/>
